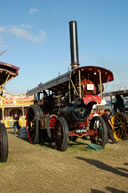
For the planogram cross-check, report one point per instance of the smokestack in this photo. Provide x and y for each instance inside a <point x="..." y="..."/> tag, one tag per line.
<point x="74" y="44"/>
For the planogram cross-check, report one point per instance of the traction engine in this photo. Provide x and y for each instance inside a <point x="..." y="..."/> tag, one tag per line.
<point x="7" y="72"/>
<point x="62" y="105"/>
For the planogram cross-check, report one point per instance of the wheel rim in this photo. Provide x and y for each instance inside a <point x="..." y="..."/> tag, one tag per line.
<point x="59" y="135"/>
<point x="31" y="125"/>
<point x="120" y="126"/>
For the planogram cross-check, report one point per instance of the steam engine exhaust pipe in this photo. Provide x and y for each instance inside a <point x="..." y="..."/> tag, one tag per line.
<point x="74" y="44"/>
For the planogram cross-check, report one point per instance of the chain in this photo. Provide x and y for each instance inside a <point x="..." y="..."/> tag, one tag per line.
<point x="74" y="87"/>
<point x="80" y="93"/>
<point x="69" y="88"/>
<point x="100" y="81"/>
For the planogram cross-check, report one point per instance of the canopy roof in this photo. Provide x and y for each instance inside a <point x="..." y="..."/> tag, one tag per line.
<point x="87" y="72"/>
<point x="7" y="72"/>
<point x="115" y="93"/>
<point x="92" y="73"/>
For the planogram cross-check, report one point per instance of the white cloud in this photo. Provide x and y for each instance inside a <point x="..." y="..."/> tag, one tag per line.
<point x="2" y="29"/>
<point x="32" y="11"/>
<point x="23" y="33"/>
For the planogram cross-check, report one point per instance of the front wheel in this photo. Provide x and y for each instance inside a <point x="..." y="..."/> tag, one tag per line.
<point x="61" y="134"/>
<point x="3" y="143"/>
<point x="97" y="123"/>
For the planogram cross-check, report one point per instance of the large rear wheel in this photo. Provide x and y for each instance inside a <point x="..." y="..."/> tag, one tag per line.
<point x="3" y="143"/>
<point x="120" y="125"/>
<point x="97" y="123"/>
<point x="61" y="134"/>
<point x="33" y="124"/>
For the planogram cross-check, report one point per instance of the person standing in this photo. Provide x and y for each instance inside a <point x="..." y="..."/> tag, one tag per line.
<point x="16" y="122"/>
<point x="119" y="104"/>
<point x="106" y="117"/>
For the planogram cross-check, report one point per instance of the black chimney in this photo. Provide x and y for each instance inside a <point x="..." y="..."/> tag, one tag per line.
<point x="74" y="44"/>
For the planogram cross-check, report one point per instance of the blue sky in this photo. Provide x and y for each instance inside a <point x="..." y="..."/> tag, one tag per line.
<point x="36" y="37"/>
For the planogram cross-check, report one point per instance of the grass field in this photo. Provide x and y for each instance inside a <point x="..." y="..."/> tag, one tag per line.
<point x="42" y="169"/>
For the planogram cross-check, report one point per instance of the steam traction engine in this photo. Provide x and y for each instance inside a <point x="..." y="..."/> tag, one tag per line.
<point x="7" y="72"/>
<point x="63" y="105"/>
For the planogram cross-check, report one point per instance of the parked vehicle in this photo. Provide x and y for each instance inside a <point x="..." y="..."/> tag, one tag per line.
<point x="63" y="105"/>
<point x="119" y="118"/>
<point x="7" y="72"/>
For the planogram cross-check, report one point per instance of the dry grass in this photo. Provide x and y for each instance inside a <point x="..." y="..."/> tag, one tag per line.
<point x="43" y="169"/>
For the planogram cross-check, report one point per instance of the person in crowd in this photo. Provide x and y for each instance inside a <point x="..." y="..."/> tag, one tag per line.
<point x="16" y="122"/>
<point x="119" y="104"/>
<point x="106" y="117"/>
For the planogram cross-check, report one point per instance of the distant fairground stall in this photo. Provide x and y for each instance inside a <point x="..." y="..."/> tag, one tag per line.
<point x="11" y="104"/>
